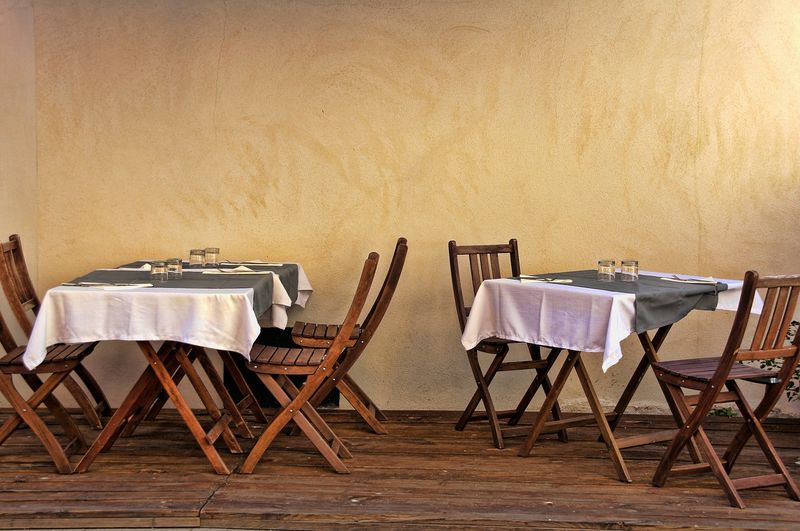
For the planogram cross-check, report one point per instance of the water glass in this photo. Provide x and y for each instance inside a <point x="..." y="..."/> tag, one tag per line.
<point x="629" y="270"/>
<point x="158" y="271"/>
<point x="197" y="257"/>
<point x="174" y="268"/>
<point x="606" y="270"/>
<point x="212" y="256"/>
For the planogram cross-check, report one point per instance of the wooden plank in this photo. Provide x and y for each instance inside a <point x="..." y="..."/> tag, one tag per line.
<point x="423" y="474"/>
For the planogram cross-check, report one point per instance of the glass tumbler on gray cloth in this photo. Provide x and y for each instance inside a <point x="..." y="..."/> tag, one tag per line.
<point x="197" y="258"/>
<point x="174" y="268"/>
<point x="606" y="270"/>
<point x="629" y="270"/>
<point x="158" y="271"/>
<point x="212" y="256"/>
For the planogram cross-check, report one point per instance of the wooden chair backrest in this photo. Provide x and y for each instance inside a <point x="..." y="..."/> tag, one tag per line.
<point x="768" y="339"/>
<point x="6" y="339"/>
<point x="356" y="306"/>
<point x="381" y="304"/>
<point x="484" y="264"/>
<point x="17" y="283"/>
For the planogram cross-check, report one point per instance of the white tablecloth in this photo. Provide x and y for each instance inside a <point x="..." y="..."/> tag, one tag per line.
<point x="221" y="319"/>
<point x="564" y="316"/>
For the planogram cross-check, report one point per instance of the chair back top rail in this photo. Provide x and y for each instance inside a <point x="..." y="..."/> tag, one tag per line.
<point x="381" y="304"/>
<point x="356" y="306"/>
<point x="17" y="283"/>
<point x="769" y="337"/>
<point x="484" y="264"/>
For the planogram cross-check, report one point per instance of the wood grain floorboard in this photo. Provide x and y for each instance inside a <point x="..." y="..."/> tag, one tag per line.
<point x="424" y="474"/>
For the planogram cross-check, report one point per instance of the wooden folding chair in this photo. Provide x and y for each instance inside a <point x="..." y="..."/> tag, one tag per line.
<point x="273" y="365"/>
<point x="484" y="263"/>
<point x="59" y="362"/>
<point x="22" y="299"/>
<point x="321" y="336"/>
<point x="716" y="380"/>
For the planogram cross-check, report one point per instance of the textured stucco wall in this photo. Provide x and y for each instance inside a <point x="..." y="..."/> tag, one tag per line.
<point x="17" y="134"/>
<point x="318" y="131"/>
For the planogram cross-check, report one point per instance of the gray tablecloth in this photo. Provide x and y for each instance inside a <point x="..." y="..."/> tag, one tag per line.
<point x="288" y="273"/>
<point x="261" y="284"/>
<point x="658" y="302"/>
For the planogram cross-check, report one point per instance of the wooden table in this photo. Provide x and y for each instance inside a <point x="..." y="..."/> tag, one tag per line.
<point x="577" y="320"/>
<point x="219" y="309"/>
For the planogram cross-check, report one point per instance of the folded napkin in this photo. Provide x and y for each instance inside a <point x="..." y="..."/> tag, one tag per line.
<point x="145" y="267"/>
<point x="253" y="262"/>
<point x="109" y="285"/>
<point x="240" y="270"/>
<point x="705" y="280"/>
<point x="528" y="278"/>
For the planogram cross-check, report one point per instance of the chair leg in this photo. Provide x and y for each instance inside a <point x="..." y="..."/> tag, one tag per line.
<point x="249" y="400"/>
<point x="679" y="440"/>
<point x="362" y="395"/>
<point x="279" y="422"/>
<point x="316" y="419"/>
<point x="102" y="405"/>
<point x="55" y="407"/>
<point x="83" y="402"/>
<point x="362" y="404"/>
<point x="692" y="430"/>
<point x="28" y="415"/>
<point x="224" y="395"/>
<point x="222" y="421"/>
<point x="771" y="453"/>
<point x="771" y="395"/>
<point x="482" y="394"/>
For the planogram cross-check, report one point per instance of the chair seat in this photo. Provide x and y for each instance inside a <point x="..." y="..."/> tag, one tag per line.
<point x="71" y="354"/>
<point x="320" y="335"/>
<point x="703" y="369"/>
<point x="267" y="359"/>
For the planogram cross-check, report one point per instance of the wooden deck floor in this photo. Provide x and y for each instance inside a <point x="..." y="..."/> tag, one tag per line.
<point x="424" y="474"/>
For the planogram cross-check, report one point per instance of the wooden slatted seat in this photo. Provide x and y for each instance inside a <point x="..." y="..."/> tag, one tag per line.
<point x="484" y="264"/>
<point x="24" y="303"/>
<point x="273" y="365"/>
<point x="717" y="379"/>
<point x="322" y="335"/>
<point x="703" y="370"/>
<point x="59" y="362"/>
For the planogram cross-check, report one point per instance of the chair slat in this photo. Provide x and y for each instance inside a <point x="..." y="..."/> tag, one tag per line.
<point x="475" y="270"/>
<point x="777" y="318"/>
<point x="763" y="321"/>
<point x="291" y="357"/>
<point x="495" y="265"/>
<point x="788" y="314"/>
<point x="486" y="271"/>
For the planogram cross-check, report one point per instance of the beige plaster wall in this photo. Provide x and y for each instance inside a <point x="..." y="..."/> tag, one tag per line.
<point x="318" y="131"/>
<point x="18" y="134"/>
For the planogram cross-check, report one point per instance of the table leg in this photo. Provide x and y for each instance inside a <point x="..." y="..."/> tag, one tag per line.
<point x="549" y="401"/>
<point x="141" y="390"/>
<point x="183" y="408"/>
<point x="602" y="423"/>
<point x="227" y="401"/>
<point x="649" y="357"/>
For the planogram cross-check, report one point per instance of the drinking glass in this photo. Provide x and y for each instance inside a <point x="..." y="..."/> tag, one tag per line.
<point x="606" y="270"/>
<point x="212" y="256"/>
<point x="629" y="270"/>
<point x="174" y="268"/>
<point x="197" y="257"/>
<point x="158" y="271"/>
